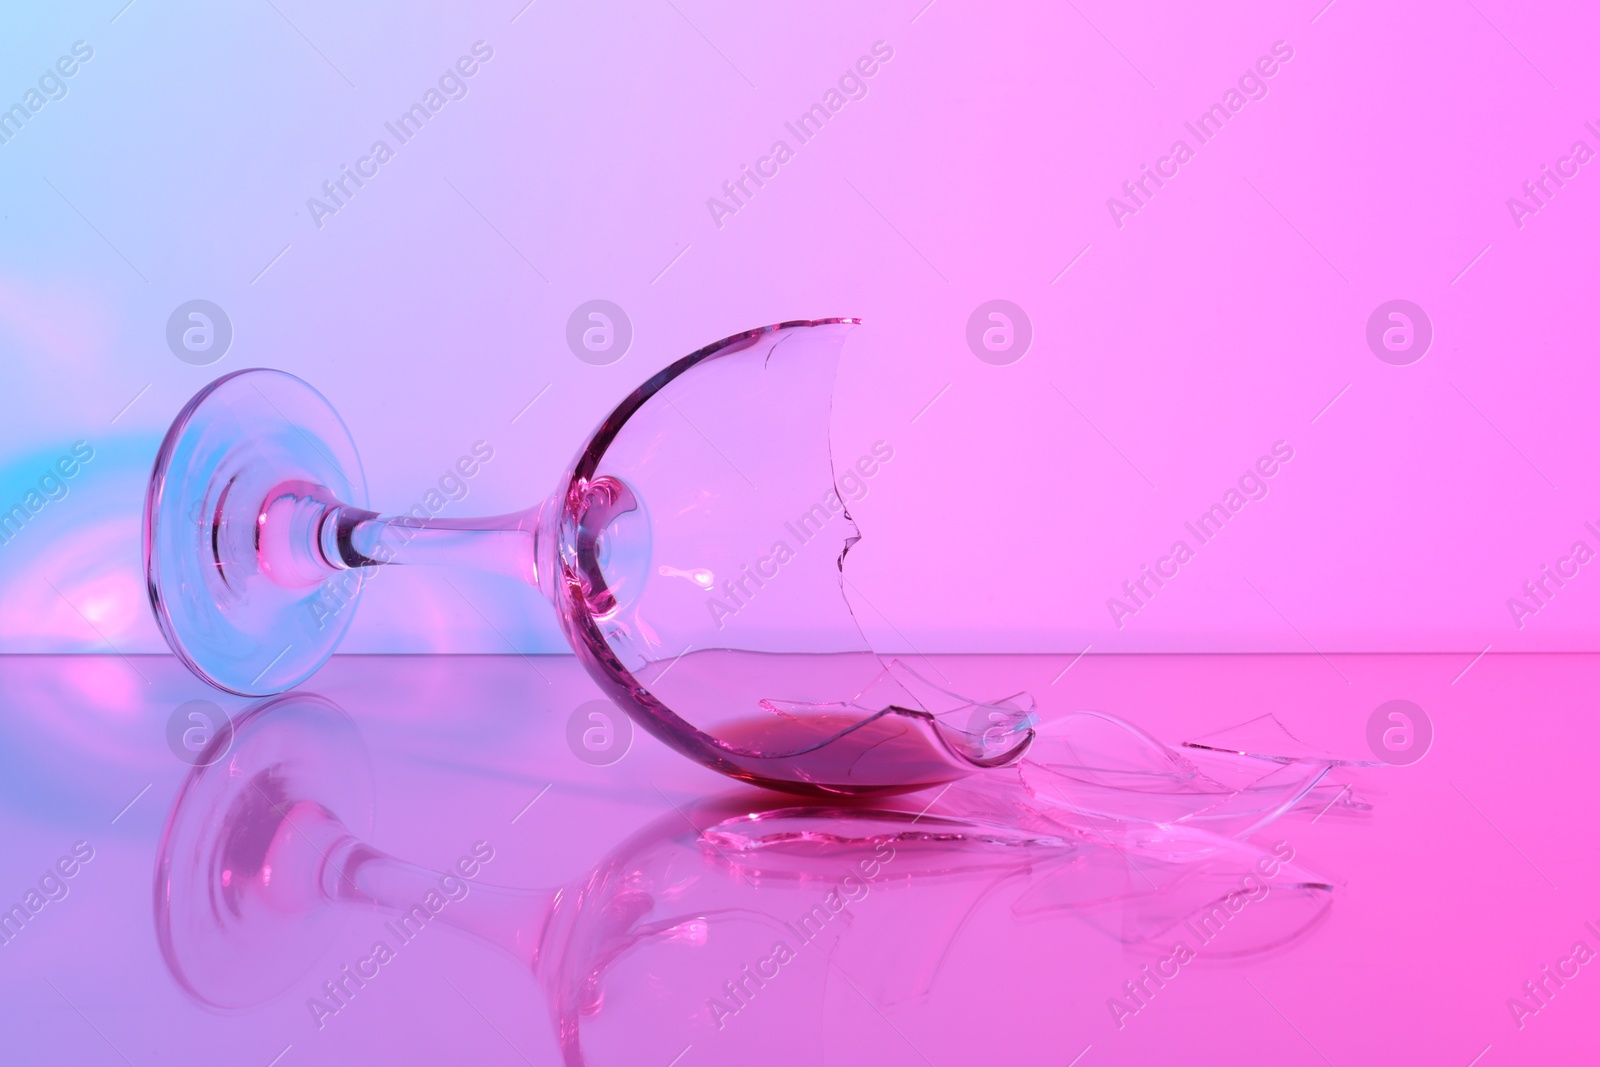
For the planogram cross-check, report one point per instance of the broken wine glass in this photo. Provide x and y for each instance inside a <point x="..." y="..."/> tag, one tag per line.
<point x="694" y="551"/>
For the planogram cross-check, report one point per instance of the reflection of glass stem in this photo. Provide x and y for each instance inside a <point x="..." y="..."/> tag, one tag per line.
<point x="324" y="862"/>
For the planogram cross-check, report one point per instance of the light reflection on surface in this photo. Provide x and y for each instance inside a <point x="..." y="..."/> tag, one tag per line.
<point x="1005" y="962"/>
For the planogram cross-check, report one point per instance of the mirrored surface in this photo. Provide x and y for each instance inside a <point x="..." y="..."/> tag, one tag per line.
<point x="1220" y="859"/>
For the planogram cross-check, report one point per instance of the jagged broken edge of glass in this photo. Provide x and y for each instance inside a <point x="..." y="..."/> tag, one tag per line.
<point x="1247" y="746"/>
<point x="1266" y="739"/>
<point x="1237" y="811"/>
<point x="958" y="743"/>
<point x="1183" y="792"/>
<point x="608" y="670"/>
<point x="1022" y="721"/>
<point x="579" y="626"/>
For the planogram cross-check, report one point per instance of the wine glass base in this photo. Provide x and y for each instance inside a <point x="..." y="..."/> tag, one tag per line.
<point x="234" y="930"/>
<point x="245" y="440"/>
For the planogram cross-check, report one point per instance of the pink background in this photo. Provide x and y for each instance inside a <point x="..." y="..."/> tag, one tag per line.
<point x="1223" y="317"/>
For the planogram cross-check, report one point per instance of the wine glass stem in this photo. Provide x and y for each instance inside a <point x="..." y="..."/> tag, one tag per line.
<point x="500" y="544"/>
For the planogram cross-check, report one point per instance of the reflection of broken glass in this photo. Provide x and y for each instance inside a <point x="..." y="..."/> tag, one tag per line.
<point x="262" y="860"/>
<point x="694" y="551"/>
<point x="679" y="930"/>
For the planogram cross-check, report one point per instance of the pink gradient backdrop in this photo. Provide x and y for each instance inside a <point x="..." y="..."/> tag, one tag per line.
<point x="1223" y="317"/>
